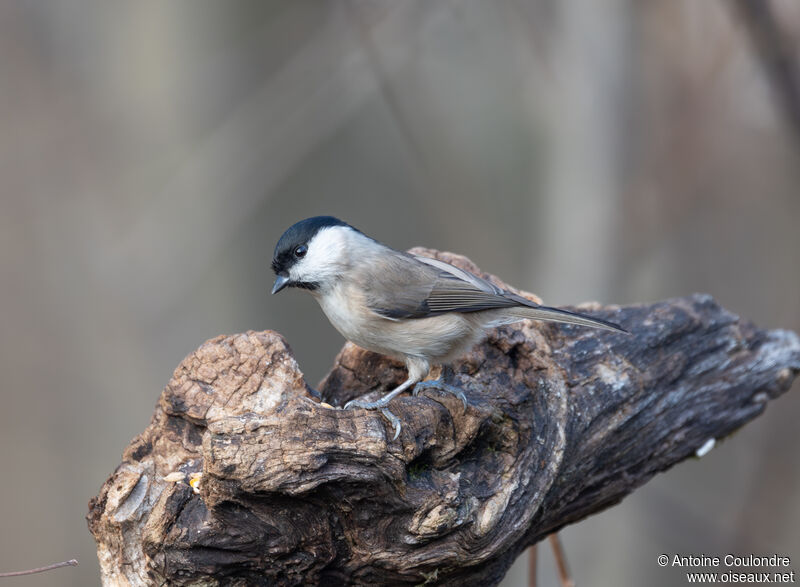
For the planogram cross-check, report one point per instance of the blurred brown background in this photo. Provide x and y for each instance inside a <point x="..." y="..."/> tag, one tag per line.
<point x="152" y="152"/>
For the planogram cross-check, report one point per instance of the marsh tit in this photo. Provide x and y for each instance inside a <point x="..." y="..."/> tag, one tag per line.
<point x="419" y="310"/>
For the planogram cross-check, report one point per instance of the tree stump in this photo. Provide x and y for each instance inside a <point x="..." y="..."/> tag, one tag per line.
<point x="244" y="477"/>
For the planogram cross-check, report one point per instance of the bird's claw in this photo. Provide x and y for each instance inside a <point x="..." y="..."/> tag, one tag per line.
<point x="357" y="403"/>
<point x="441" y="386"/>
<point x="395" y="421"/>
<point x="377" y="405"/>
<point x="382" y="403"/>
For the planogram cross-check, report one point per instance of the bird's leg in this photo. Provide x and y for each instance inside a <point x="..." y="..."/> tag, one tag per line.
<point x="382" y="403"/>
<point x="442" y="385"/>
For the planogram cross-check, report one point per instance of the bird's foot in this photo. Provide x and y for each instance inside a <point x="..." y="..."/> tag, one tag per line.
<point x="378" y="405"/>
<point x="395" y="421"/>
<point x="441" y="386"/>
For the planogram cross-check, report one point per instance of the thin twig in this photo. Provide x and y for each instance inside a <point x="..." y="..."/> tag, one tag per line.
<point x="70" y="563"/>
<point x="532" y="566"/>
<point x="434" y="180"/>
<point x="391" y="99"/>
<point x="561" y="561"/>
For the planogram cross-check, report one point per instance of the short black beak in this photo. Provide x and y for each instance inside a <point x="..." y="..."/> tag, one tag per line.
<point x="280" y="283"/>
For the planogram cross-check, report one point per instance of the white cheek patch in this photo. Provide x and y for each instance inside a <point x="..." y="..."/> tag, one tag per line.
<point x="326" y="254"/>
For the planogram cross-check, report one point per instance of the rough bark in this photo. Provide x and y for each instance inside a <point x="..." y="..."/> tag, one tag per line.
<point x="562" y="422"/>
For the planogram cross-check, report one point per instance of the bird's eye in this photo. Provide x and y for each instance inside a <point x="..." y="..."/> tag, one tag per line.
<point x="301" y="251"/>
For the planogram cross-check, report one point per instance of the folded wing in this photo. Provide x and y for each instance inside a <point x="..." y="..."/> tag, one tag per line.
<point x="419" y="287"/>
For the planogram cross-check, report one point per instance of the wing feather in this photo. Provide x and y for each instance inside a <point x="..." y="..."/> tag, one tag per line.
<point x="419" y="287"/>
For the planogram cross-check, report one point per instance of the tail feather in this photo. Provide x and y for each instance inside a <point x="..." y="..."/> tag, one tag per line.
<point x="558" y="315"/>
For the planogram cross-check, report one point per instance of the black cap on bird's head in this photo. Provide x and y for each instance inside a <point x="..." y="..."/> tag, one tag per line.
<point x="293" y="246"/>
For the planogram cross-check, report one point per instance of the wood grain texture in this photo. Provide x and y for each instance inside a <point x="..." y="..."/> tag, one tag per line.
<point x="562" y="422"/>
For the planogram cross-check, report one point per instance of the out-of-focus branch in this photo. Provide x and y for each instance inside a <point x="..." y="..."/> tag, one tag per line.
<point x="70" y="563"/>
<point x="776" y="51"/>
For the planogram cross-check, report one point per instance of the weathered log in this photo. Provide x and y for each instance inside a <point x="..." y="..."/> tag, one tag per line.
<point x="562" y="422"/>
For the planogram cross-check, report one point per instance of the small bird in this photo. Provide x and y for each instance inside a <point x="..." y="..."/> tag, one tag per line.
<point x="418" y="310"/>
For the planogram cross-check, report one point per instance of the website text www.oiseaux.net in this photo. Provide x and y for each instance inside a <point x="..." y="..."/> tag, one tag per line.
<point x="732" y="568"/>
